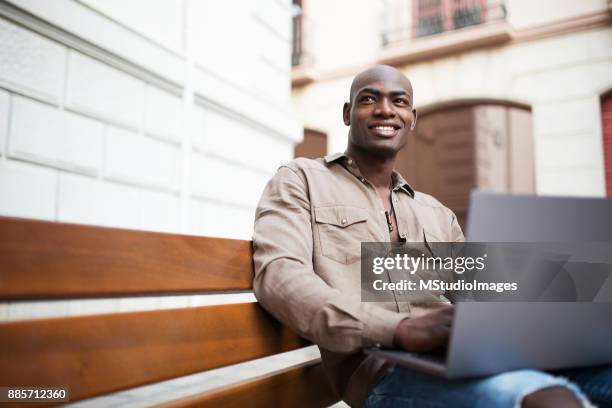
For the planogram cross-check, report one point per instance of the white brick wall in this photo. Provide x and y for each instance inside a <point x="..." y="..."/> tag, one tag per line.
<point x="279" y="120"/>
<point x="27" y="190"/>
<point x="84" y="200"/>
<point x="80" y="20"/>
<point x="277" y="18"/>
<point x="51" y="136"/>
<point x="225" y="62"/>
<point x="163" y="115"/>
<point x="98" y="89"/>
<point x="268" y="84"/>
<point x="31" y="63"/>
<point x="220" y="220"/>
<point x="161" y="23"/>
<point x="4" y="115"/>
<point x="159" y="211"/>
<point x="234" y="139"/>
<point x="112" y="137"/>
<point x="226" y="182"/>
<point x="142" y="160"/>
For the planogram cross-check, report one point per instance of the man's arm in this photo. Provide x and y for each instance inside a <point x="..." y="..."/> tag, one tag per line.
<point x="285" y="282"/>
<point x="432" y="330"/>
<point x="425" y="333"/>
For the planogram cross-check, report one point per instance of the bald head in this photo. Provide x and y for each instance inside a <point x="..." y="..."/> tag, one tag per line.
<point x="380" y="113"/>
<point x="376" y="74"/>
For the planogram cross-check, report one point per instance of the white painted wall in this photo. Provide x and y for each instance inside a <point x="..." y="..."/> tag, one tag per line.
<point x="526" y="13"/>
<point x="344" y="32"/>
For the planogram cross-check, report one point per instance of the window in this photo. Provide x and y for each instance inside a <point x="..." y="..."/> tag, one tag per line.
<point x="436" y="16"/>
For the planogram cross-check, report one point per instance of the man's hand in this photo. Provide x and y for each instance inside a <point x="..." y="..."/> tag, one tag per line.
<point x="425" y="333"/>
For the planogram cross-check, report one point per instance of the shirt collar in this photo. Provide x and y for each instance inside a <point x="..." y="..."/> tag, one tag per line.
<point x="400" y="183"/>
<point x="330" y="158"/>
<point x="396" y="177"/>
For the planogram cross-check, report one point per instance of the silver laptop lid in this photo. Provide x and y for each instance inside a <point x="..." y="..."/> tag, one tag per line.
<point x="528" y="218"/>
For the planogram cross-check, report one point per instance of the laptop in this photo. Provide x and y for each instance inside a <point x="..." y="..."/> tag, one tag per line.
<point x="490" y="338"/>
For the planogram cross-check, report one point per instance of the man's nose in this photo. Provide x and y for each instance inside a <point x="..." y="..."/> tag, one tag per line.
<point x="385" y="108"/>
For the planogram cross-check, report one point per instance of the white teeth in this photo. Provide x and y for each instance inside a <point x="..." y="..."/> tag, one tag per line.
<point x="386" y="128"/>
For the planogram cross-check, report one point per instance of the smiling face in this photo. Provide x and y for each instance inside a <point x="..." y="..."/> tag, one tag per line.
<point x="380" y="113"/>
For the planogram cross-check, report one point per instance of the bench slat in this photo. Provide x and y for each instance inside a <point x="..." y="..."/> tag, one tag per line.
<point x="93" y="355"/>
<point x="40" y="259"/>
<point x="297" y="387"/>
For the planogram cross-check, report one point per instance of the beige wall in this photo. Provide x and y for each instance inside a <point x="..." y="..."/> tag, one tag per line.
<point x="526" y="13"/>
<point x="343" y="32"/>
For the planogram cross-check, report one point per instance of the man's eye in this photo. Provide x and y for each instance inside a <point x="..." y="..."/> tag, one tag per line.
<point x="367" y="98"/>
<point x="401" y="101"/>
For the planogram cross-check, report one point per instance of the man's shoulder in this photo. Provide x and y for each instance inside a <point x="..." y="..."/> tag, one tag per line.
<point x="301" y="164"/>
<point x="427" y="200"/>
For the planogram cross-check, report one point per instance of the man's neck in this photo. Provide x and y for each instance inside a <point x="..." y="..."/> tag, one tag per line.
<point x="376" y="169"/>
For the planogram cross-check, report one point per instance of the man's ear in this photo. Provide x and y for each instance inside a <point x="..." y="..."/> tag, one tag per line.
<point x="414" y="121"/>
<point x="346" y="113"/>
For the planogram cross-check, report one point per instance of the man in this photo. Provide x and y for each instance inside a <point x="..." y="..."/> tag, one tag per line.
<point x="309" y="224"/>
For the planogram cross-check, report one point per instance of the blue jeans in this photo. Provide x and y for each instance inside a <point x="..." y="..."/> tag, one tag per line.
<point x="403" y="387"/>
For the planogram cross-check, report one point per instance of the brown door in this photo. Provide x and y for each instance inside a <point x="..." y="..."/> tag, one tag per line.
<point x="454" y="150"/>
<point x="314" y="145"/>
<point x="606" y="125"/>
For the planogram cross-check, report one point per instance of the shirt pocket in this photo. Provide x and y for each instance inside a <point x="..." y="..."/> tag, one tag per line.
<point x="341" y="231"/>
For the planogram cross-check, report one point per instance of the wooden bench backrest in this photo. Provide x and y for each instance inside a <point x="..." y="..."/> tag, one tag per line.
<point x="99" y="354"/>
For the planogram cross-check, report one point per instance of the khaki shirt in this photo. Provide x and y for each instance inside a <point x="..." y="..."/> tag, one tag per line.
<point x="309" y="225"/>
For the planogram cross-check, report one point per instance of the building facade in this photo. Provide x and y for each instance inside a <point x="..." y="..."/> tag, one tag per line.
<point x="511" y="94"/>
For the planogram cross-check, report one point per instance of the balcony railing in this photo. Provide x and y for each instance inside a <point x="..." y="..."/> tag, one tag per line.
<point x="300" y="54"/>
<point x="430" y="17"/>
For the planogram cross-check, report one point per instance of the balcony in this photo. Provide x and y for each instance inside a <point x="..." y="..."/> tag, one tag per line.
<point x="301" y="58"/>
<point x="435" y="28"/>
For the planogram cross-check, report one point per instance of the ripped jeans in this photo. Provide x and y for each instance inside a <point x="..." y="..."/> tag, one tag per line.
<point x="403" y="387"/>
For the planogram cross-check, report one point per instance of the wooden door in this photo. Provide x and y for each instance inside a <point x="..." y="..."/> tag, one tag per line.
<point x="313" y="146"/>
<point x="454" y="150"/>
<point x="606" y="126"/>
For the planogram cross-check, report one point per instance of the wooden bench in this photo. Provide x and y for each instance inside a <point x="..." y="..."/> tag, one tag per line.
<point x="100" y="354"/>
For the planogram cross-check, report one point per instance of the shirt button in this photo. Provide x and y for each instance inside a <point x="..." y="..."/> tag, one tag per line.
<point x="362" y="179"/>
<point x="343" y="222"/>
<point x="350" y="161"/>
<point x="395" y="199"/>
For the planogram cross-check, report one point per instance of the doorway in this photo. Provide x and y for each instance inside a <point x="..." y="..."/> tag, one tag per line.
<point x="484" y="146"/>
